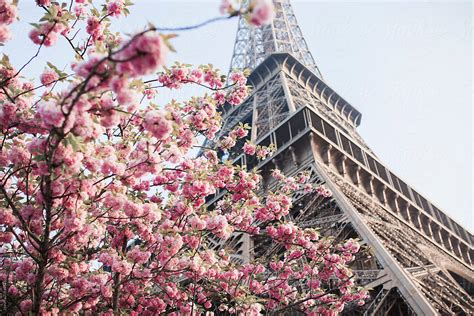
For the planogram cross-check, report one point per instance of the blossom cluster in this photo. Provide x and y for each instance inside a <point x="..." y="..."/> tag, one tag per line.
<point x="257" y="12"/>
<point x="62" y="21"/>
<point x="106" y="208"/>
<point x="8" y="14"/>
<point x="180" y="74"/>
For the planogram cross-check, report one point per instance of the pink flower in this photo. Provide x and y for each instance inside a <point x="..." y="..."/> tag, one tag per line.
<point x="219" y="96"/>
<point x="51" y="114"/>
<point x="43" y="2"/>
<point x="132" y="201"/>
<point x="351" y="245"/>
<point x="121" y="87"/>
<point x="6" y="217"/>
<point x="46" y="34"/>
<point x="227" y="143"/>
<point x="110" y="165"/>
<point x="239" y="78"/>
<point x="115" y="8"/>
<point x="132" y="209"/>
<point x="139" y="256"/>
<point x="237" y="95"/>
<point x="26" y="305"/>
<point x="277" y="174"/>
<point x="150" y="93"/>
<point x="79" y="10"/>
<point x="213" y="79"/>
<point x="156" y="123"/>
<point x="308" y="188"/>
<point x="143" y="55"/>
<point x="321" y="190"/>
<point x="12" y="290"/>
<point x="84" y="68"/>
<point x="48" y="77"/>
<point x="122" y="267"/>
<point x="219" y="226"/>
<point x="226" y="7"/>
<point x="110" y="118"/>
<point x="5" y="34"/>
<point x="94" y="28"/>
<point x="262" y="12"/>
<point x="239" y="132"/>
<point x="263" y="152"/>
<point x="249" y="149"/>
<point x="8" y="12"/>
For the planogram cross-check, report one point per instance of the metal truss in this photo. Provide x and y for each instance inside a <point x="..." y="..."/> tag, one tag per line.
<point x="254" y="44"/>
<point x="302" y="96"/>
<point x="270" y="106"/>
<point x="428" y="268"/>
<point x="264" y="109"/>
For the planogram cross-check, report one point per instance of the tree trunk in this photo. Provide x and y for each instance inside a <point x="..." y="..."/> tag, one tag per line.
<point x="116" y="294"/>
<point x="38" y="289"/>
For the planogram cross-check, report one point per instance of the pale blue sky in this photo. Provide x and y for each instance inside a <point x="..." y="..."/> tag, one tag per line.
<point x="407" y="66"/>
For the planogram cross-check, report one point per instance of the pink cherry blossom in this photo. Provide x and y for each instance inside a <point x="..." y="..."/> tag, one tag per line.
<point x="262" y="12"/>
<point x="156" y="123"/>
<point x="51" y="114"/>
<point x="321" y="190"/>
<point x="226" y="7"/>
<point x="8" y="12"/>
<point x="43" y="2"/>
<point x="115" y="7"/>
<point x="143" y="55"/>
<point x="249" y="149"/>
<point x="48" y="77"/>
<point x="79" y="10"/>
<point x="95" y="28"/>
<point x="46" y="33"/>
<point x="5" y="34"/>
<point x="239" y="78"/>
<point x="239" y="132"/>
<point x="110" y="208"/>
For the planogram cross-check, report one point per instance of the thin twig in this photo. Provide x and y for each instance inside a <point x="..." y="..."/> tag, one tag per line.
<point x="5" y="81"/>
<point x="192" y="27"/>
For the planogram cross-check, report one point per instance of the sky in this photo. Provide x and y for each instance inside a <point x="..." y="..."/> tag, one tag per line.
<point x="407" y="66"/>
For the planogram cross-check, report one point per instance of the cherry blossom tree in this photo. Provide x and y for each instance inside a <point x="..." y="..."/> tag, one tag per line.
<point x="102" y="209"/>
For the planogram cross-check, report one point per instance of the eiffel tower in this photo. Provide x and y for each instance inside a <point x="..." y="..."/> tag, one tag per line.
<point x="422" y="260"/>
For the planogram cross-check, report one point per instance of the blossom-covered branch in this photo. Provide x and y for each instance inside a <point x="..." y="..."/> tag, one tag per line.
<point x="104" y="204"/>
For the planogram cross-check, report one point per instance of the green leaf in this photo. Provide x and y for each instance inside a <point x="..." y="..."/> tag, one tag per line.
<point x="6" y="61"/>
<point x="137" y="84"/>
<point x="166" y="38"/>
<point x="168" y="44"/>
<point x="95" y="12"/>
<point x="169" y="36"/>
<point x="75" y="142"/>
<point x="38" y="158"/>
<point x="56" y="70"/>
<point x="50" y="65"/>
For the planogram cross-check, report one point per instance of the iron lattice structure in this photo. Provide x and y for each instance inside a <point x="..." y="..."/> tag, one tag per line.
<point x="254" y="44"/>
<point x="422" y="260"/>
